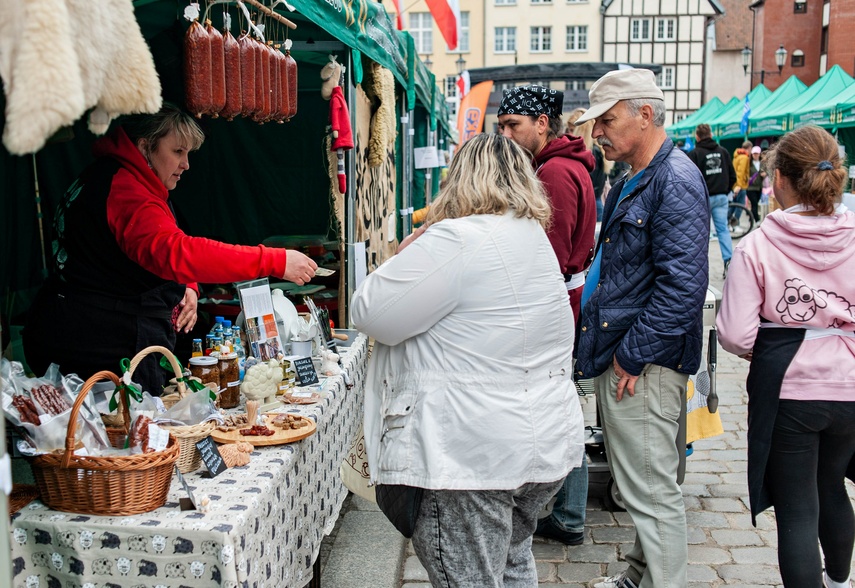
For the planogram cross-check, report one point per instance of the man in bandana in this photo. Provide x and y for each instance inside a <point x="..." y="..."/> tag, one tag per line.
<point x="531" y="116"/>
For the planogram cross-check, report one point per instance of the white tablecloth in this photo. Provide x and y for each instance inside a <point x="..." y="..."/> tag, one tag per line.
<point x="264" y="527"/>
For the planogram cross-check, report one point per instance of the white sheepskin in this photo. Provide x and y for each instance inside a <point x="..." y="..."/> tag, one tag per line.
<point x="59" y="58"/>
<point x="384" y="126"/>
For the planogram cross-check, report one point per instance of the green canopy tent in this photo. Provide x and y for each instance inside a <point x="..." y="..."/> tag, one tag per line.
<point x="821" y="108"/>
<point x="686" y="127"/>
<point x="774" y="117"/>
<point x="728" y="122"/>
<point x="844" y="107"/>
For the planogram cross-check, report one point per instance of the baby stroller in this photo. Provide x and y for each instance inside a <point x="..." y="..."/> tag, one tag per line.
<point x="700" y="395"/>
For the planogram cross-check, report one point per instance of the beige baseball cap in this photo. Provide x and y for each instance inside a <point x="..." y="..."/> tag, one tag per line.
<point x="621" y="84"/>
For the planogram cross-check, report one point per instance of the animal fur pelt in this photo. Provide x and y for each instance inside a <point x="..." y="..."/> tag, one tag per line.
<point x="59" y="58"/>
<point x="381" y="90"/>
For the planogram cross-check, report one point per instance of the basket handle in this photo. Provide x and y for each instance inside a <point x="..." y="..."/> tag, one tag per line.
<point x="75" y="412"/>
<point x="173" y="361"/>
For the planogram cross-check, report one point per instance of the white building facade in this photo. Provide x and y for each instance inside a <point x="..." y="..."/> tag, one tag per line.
<point x="671" y="33"/>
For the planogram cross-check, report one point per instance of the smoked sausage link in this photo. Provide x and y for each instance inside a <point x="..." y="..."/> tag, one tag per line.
<point x="218" y="70"/>
<point x="291" y="68"/>
<point x="260" y="79"/>
<point x="247" y="75"/>
<point x="282" y="78"/>
<point x="197" y="70"/>
<point x="231" y="54"/>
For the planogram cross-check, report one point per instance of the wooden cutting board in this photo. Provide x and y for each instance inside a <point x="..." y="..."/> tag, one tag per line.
<point x="281" y="436"/>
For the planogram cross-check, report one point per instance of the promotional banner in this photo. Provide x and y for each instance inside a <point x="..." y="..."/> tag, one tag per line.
<point x="473" y="107"/>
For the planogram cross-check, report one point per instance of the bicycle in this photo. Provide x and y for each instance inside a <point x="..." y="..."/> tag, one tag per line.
<point x="739" y="219"/>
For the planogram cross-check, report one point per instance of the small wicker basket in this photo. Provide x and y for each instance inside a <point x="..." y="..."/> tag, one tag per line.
<point x="115" y="485"/>
<point x="187" y="435"/>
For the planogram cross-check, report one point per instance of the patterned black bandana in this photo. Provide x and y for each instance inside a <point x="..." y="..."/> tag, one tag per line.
<point x="532" y="100"/>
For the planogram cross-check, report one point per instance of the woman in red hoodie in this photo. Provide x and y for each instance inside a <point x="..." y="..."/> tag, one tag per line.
<point x="124" y="274"/>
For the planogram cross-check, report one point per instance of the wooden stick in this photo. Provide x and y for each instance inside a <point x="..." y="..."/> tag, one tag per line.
<point x="290" y="24"/>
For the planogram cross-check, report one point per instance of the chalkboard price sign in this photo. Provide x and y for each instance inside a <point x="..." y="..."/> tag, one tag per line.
<point x="306" y="371"/>
<point x="211" y="456"/>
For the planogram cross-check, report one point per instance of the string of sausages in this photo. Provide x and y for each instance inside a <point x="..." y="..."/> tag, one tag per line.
<point x="227" y="77"/>
<point x="48" y="397"/>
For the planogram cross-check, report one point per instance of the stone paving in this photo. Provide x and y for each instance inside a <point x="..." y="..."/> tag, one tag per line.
<point x="724" y="548"/>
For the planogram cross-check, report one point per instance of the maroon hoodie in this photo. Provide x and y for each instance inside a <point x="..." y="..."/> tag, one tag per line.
<point x="564" y="167"/>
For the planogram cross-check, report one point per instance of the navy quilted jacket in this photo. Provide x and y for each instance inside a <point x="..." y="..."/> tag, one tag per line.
<point x="648" y="306"/>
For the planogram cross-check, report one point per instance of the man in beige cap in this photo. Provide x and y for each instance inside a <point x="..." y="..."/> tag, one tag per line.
<point x="642" y="306"/>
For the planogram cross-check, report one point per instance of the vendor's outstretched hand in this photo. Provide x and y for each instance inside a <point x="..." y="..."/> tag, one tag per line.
<point x="299" y="268"/>
<point x="187" y="315"/>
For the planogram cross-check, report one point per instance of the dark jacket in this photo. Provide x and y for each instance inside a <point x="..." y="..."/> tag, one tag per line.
<point x="755" y="177"/>
<point x="716" y="166"/>
<point x="654" y="271"/>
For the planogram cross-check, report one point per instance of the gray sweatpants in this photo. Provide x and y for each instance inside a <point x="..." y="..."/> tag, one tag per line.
<point x="480" y="538"/>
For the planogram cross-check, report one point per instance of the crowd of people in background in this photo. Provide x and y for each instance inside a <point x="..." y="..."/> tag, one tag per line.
<point x="473" y="328"/>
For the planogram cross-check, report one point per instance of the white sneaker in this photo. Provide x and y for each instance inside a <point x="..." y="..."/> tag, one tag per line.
<point x="619" y="581"/>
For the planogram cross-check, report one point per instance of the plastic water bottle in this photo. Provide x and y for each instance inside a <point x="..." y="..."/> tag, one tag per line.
<point x="241" y="352"/>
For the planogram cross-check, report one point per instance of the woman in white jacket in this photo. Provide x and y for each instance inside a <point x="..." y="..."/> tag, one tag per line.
<point x="470" y="392"/>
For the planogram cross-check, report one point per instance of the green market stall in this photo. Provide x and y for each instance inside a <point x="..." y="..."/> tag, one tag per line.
<point x="728" y="122"/>
<point x="686" y="127"/>
<point x="251" y="182"/>
<point x="820" y="106"/>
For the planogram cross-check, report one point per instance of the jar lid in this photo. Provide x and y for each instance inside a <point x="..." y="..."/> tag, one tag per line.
<point x="228" y="356"/>
<point x="203" y="360"/>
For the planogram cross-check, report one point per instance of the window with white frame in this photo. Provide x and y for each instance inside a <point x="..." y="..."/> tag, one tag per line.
<point x="577" y="38"/>
<point x="421" y="28"/>
<point x="571" y="85"/>
<point x="463" y="39"/>
<point x="639" y="29"/>
<point x="665" y="79"/>
<point x="666" y="29"/>
<point x="541" y="39"/>
<point x="451" y="87"/>
<point x="505" y="40"/>
<point x="576" y="1"/>
<point x="505" y="2"/>
<point x="541" y="1"/>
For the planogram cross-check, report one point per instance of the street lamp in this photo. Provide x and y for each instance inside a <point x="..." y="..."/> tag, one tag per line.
<point x="461" y="64"/>
<point x="428" y="62"/>
<point x="780" y="60"/>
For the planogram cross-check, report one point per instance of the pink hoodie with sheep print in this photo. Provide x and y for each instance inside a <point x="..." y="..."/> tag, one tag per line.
<point x="797" y="271"/>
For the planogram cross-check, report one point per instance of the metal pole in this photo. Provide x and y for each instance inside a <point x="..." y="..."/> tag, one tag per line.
<point x="349" y="205"/>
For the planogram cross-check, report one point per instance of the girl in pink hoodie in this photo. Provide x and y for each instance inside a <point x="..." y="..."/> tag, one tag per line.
<point x="789" y="307"/>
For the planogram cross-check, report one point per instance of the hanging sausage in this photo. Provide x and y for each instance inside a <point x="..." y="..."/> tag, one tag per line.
<point x="247" y="74"/>
<point x="260" y="82"/>
<point x="282" y="76"/>
<point x="231" y="56"/>
<point x="218" y="70"/>
<point x="197" y="70"/>
<point x="276" y="101"/>
<point x="291" y="69"/>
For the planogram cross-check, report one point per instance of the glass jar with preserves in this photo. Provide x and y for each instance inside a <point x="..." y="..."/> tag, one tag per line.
<point x="206" y="369"/>
<point x="229" y="380"/>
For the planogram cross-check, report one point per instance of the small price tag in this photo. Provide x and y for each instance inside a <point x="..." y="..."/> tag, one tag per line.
<point x="305" y="369"/>
<point x="211" y="456"/>
<point x="158" y="438"/>
<point x="302" y="394"/>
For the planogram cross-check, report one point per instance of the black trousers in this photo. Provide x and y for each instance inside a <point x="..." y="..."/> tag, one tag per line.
<point x="813" y="443"/>
<point x="754" y="199"/>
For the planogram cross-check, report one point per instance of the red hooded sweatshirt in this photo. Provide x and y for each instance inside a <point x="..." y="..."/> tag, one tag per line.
<point x="145" y="229"/>
<point x="564" y="167"/>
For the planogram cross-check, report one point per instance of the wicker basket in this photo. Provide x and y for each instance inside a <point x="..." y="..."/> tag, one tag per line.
<point x="114" y="485"/>
<point x="189" y="459"/>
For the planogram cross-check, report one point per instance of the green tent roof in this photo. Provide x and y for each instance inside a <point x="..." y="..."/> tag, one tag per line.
<point x="845" y="107"/>
<point x="727" y="124"/>
<point x="703" y="114"/>
<point x="820" y="109"/>
<point x="772" y="116"/>
<point x="733" y="103"/>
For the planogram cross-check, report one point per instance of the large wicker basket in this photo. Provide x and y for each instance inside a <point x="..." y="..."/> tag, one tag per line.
<point x="114" y="485"/>
<point x="189" y="460"/>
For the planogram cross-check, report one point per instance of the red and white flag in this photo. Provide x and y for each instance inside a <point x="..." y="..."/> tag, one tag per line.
<point x="446" y="13"/>
<point x="400" y="22"/>
<point x="463" y="84"/>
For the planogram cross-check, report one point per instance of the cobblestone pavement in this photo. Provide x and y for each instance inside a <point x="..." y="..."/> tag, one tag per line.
<point x="724" y="548"/>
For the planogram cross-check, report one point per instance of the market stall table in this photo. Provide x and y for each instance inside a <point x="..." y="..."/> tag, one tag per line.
<point x="264" y="526"/>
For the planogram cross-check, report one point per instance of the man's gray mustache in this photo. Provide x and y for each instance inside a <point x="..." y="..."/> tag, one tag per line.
<point x="603" y="142"/>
